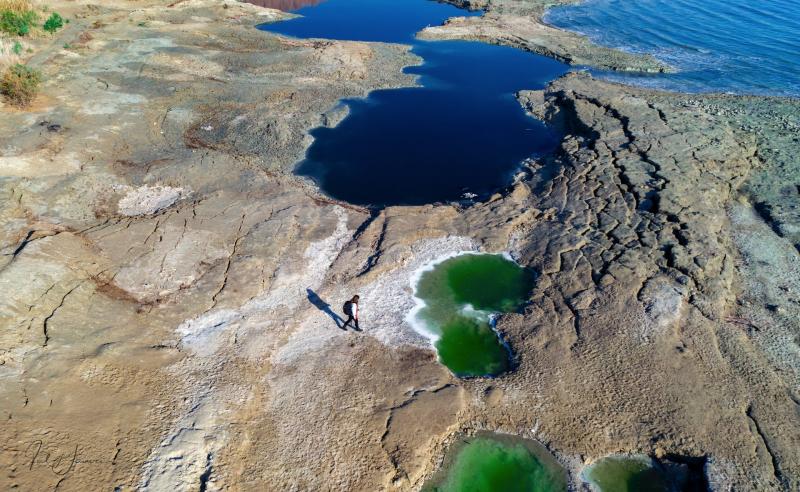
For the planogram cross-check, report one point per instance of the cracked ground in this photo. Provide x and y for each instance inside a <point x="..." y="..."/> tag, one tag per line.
<point x="158" y="257"/>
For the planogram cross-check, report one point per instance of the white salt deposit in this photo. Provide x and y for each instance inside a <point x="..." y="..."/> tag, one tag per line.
<point x="147" y="200"/>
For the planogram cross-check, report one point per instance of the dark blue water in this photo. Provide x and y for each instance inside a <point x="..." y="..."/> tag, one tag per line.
<point x="461" y="132"/>
<point x="390" y="21"/>
<point x="739" y="46"/>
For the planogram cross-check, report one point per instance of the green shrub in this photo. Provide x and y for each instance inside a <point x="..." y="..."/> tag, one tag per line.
<point x="17" y="23"/>
<point x="17" y="49"/>
<point x="20" y="84"/>
<point x="53" y="23"/>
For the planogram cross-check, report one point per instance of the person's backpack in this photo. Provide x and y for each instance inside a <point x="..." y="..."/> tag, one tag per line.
<point x="348" y="308"/>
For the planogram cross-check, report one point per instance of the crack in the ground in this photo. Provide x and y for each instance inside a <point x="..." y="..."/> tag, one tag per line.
<point x="776" y="469"/>
<point x="228" y="262"/>
<point x="45" y="323"/>
<point x="206" y="475"/>
<point x="376" y="249"/>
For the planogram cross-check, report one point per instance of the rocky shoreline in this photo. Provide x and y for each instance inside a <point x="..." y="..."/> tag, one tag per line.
<point x="158" y="257"/>
<point x="520" y="25"/>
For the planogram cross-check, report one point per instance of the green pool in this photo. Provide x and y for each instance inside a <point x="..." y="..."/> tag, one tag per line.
<point x="491" y="462"/>
<point x="635" y="474"/>
<point x="459" y="297"/>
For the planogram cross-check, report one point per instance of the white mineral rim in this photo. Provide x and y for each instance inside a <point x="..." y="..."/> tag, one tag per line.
<point x="416" y="321"/>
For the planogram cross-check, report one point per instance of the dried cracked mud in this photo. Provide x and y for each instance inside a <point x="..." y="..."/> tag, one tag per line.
<point x="158" y="256"/>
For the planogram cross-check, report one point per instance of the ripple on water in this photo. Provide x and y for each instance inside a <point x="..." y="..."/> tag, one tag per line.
<point x="718" y="45"/>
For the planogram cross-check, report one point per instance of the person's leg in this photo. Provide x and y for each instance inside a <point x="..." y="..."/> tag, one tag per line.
<point x="349" y="319"/>
<point x="356" y="321"/>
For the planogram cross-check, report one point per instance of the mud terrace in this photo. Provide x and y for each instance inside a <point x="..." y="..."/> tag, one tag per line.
<point x="158" y="255"/>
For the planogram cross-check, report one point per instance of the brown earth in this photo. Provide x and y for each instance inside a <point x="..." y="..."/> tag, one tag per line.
<point x="159" y="258"/>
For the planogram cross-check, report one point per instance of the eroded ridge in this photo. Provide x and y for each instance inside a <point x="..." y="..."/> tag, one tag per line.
<point x="635" y="248"/>
<point x="150" y="218"/>
<point x="638" y="196"/>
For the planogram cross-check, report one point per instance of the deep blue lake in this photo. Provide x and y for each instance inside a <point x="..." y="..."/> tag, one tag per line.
<point x="460" y="132"/>
<point x="740" y="46"/>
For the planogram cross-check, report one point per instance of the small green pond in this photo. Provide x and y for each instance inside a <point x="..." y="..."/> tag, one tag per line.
<point x="459" y="297"/>
<point x="638" y="474"/>
<point x="490" y="462"/>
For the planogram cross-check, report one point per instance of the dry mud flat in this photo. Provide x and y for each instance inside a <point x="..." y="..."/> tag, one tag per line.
<point x="158" y="259"/>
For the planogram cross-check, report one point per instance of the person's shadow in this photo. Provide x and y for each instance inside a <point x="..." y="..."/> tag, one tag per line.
<point x="323" y="306"/>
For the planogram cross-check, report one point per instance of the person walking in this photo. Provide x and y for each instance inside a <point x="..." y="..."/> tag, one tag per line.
<point x="351" y="310"/>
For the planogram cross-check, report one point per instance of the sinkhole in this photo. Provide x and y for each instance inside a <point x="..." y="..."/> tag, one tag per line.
<point x="457" y="301"/>
<point x="639" y="473"/>
<point x="491" y="462"/>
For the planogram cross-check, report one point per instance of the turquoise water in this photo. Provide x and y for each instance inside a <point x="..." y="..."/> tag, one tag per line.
<point x="739" y="46"/>
<point x="461" y="134"/>
<point x="490" y="462"/>
<point x="460" y="295"/>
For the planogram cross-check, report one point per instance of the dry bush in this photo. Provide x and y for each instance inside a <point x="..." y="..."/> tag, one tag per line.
<point x="20" y="84"/>
<point x="16" y="5"/>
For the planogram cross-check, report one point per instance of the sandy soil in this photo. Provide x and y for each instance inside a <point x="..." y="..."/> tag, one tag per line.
<point x="159" y="257"/>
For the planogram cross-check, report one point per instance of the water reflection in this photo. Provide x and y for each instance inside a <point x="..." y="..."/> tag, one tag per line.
<point x="285" y="5"/>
